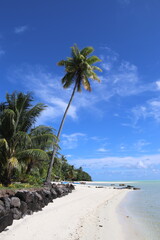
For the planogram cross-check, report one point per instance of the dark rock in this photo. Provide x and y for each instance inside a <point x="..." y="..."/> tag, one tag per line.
<point x="2" y="209"/>
<point x="25" y="196"/>
<point x="7" y="203"/>
<point x="5" y="221"/>
<point x="53" y="193"/>
<point x="15" y="202"/>
<point x="135" y="188"/>
<point x="129" y="187"/>
<point x="23" y="208"/>
<point x="16" y="213"/>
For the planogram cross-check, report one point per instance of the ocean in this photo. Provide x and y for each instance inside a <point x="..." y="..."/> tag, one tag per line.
<point x="143" y="208"/>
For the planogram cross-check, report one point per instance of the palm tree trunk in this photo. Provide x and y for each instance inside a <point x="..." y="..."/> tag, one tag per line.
<point x="48" y="179"/>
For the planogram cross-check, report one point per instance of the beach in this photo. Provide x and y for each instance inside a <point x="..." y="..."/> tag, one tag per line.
<point x="87" y="213"/>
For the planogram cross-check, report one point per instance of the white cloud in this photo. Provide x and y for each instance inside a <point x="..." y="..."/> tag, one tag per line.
<point x="149" y="110"/>
<point x="70" y="141"/>
<point x="102" y="150"/>
<point x="146" y="161"/>
<point x="123" y="80"/>
<point x="158" y="84"/>
<point x="21" y="29"/>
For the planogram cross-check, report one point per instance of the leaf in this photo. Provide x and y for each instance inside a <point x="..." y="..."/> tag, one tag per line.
<point x="61" y="63"/>
<point x="75" y="52"/>
<point x="97" y="68"/>
<point x="93" y="59"/>
<point x="86" y="51"/>
<point x="36" y="154"/>
<point x="86" y="83"/>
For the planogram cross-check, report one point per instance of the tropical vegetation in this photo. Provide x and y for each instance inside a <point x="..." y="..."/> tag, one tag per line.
<point x="26" y="150"/>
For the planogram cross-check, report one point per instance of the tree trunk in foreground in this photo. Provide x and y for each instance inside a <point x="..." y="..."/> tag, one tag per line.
<point x="48" y="179"/>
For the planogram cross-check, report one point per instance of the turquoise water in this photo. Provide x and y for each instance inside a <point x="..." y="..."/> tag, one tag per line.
<point x="143" y="206"/>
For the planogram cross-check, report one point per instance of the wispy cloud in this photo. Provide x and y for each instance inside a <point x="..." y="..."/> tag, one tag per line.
<point x="70" y="141"/>
<point x="102" y="150"/>
<point x="21" y="29"/>
<point x="119" y="78"/>
<point x="146" y="161"/>
<point x="140" y="145"/>
<point x="151" y="109"/>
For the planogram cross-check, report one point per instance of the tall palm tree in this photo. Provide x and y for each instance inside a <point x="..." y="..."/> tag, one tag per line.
<point x="79" y="69"/>
<point x="17" y="116"/>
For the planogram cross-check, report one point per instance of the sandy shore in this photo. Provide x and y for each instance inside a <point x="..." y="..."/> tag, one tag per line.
<point x="88" y="213"/>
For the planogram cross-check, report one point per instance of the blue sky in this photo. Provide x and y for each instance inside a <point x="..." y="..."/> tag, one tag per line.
<point x="112" y="132"/>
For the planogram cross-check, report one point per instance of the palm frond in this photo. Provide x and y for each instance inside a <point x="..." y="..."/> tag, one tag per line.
<point x="7" y="123"/>
<point x="75" y="52"/>
<point x="95" y="77"/>
<point x="69" y="77"/>
<point x="86" y="51"/>
<point x="61" y="63"/>
<point x="41" y="129"/>
<point x="96" y="68"/>
<point x="86" y="83"/>
<point x="21" y="140"/>
<point x="4" y="145"/>
<point x="36" y="154"/>
<point x="30" y="116"/>
<point x="93" y="59"/>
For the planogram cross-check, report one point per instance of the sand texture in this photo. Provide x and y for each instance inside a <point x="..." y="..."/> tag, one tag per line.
<point x="88" y="213"/>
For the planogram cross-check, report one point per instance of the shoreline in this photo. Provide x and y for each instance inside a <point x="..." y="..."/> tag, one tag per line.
<point x="87" y="213"/>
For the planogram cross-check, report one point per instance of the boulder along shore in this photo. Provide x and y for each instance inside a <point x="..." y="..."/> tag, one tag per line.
<point x="14" y="205"/>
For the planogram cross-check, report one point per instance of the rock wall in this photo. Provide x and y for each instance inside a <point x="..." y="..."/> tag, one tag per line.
<point x="20" y="203"/>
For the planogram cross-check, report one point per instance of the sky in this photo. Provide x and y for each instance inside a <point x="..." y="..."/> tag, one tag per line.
<point x="114" y="131"/>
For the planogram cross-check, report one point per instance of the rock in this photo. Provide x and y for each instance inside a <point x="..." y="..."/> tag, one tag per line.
<point x="25" y="196"/>
<point x="16" y="213"/>
<point x="7" y="203"/>
<point x="53" y="193"/>
<point x="129" y="187"/>
<point x="135" y="188"/>
<point x="23" y="208"/>
<point x="15" y="202"/>
<point x="5" y="221"/>
<point x="2" y="209"/>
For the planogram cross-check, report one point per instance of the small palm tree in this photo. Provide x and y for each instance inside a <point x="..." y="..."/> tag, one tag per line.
<point x="79" y="69"/>
<point x="17" y="116"/>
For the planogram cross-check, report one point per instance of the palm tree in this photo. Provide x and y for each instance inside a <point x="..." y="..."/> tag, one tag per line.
<point x="79" y="69"/>
<point x="17" y="116"/>
<point x="42" y="138"/>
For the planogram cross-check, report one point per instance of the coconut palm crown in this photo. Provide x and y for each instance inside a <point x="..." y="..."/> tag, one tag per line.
<point x="79" y="69"/>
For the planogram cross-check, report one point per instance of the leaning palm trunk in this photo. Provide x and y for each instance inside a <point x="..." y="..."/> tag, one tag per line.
<point x="79" y="68"/>
<point x="48" y="179"/>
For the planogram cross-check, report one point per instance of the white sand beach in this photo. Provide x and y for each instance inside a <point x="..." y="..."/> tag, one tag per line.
<point x="88" y="213"/>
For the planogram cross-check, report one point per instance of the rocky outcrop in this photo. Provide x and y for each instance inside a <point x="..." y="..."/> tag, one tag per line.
<point x="16" y="205"/>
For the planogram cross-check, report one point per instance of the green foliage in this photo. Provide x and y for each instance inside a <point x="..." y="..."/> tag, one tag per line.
<point x="79" y="68"/>
<point x="20" y="146"/>
<point x="65" y="171"/>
